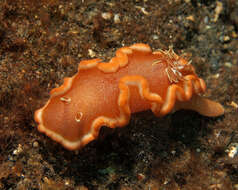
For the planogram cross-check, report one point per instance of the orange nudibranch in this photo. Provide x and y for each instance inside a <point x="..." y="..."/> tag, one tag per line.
<point x="105" y="94"/>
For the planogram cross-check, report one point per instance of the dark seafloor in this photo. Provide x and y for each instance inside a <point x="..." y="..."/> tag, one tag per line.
<point x="41" y="42"/>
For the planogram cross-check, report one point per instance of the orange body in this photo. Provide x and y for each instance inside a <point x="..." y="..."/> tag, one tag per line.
<point x="100" y="94"/>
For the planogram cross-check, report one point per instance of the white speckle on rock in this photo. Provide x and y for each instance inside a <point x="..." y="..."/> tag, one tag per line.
<point x="18" y="150"/>
<point x="232" y="150"/>
<point x="117" y="18"/>
<point x="91" y="53"/>
<point x="106" y="15"/>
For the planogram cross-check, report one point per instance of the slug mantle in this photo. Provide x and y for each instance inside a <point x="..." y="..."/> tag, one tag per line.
<point x="105" y="94"/>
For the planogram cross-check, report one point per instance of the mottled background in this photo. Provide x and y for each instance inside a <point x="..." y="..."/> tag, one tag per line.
<point x="42" y="41"/>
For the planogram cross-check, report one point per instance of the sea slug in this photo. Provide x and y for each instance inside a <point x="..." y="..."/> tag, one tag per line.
<point x="105" y="94"/>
